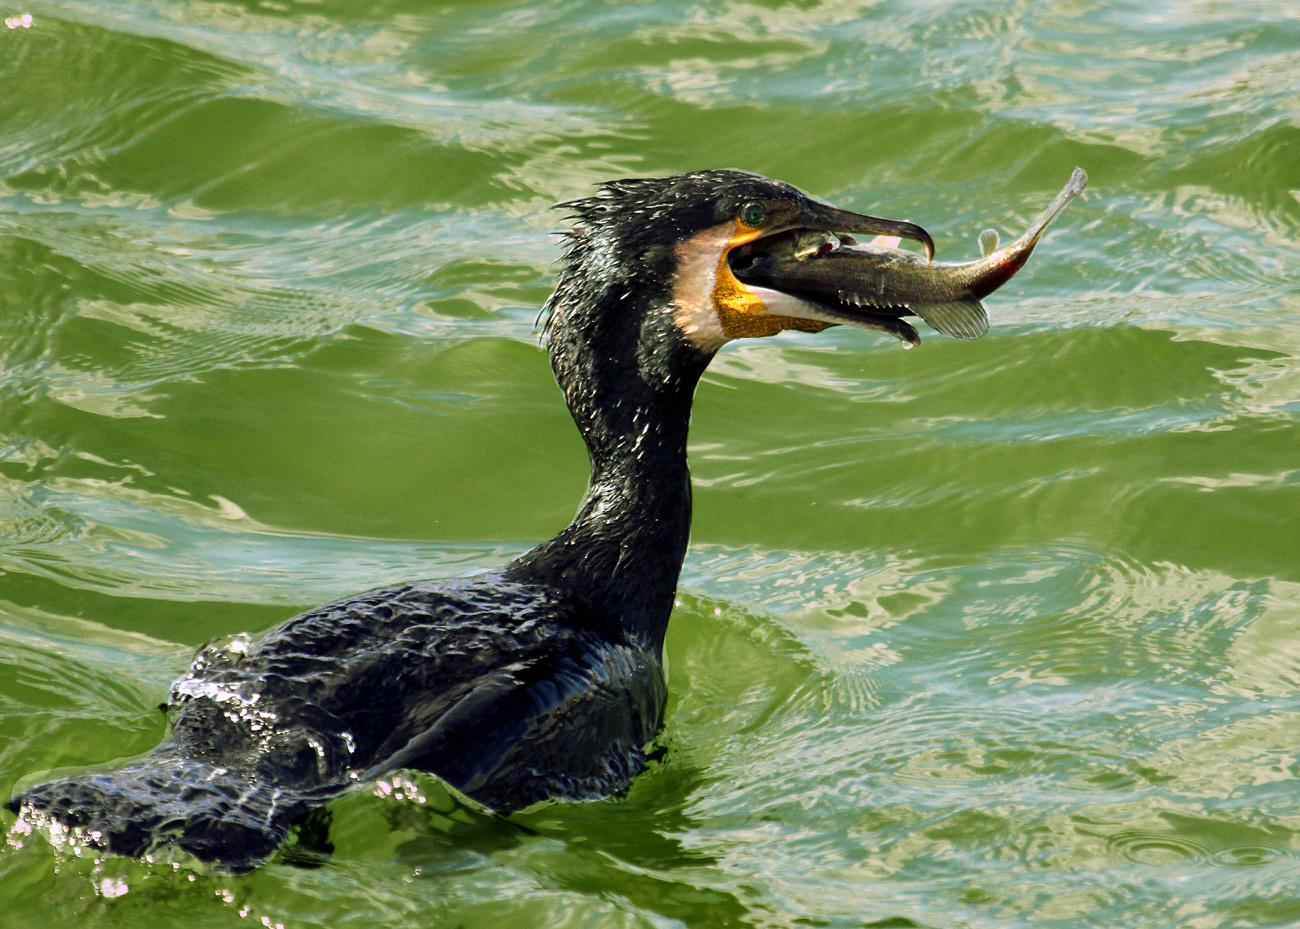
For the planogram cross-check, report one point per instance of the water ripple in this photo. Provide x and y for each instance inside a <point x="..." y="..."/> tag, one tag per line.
<point x="1159" y="849"/>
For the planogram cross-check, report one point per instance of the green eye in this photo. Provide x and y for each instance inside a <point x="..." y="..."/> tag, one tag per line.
<point x="753" y="215"/>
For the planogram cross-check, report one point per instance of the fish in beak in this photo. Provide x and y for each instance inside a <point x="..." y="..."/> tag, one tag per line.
<point x="812" y="268"/>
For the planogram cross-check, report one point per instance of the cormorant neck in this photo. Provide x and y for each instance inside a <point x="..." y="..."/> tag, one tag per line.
<point x="630" y="392"/>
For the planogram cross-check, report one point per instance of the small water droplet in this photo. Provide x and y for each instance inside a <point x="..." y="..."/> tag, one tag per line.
<point x="113" y="887"/>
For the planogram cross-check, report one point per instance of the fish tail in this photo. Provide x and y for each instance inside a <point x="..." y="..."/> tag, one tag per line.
<point x="1078" y="180"/>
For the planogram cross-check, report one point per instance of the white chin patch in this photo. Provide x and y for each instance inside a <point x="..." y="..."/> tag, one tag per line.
<point x="699" y="322"/>
<point x="693" y="283"/>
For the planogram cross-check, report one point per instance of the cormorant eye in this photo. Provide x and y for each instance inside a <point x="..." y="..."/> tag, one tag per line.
<point x="753" y="215"/>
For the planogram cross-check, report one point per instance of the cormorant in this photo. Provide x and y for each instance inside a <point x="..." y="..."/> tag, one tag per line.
<point x="542" y="679"/>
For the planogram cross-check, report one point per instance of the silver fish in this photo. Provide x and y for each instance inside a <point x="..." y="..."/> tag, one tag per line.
<point x="877" y="284"/>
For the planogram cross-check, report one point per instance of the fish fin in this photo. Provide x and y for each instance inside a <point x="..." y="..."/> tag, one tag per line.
<point x="962" y="319"/>
<point x="988" y="242"/>
<point x="887" y="241"/>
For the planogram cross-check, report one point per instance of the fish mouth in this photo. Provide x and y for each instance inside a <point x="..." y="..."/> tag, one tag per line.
<point x="791" y="271"/>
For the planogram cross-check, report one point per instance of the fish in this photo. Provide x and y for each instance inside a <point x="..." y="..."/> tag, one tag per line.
<point x="836" y="269"/>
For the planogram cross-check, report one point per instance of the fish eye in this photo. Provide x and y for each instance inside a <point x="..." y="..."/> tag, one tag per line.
<point x="753" y="214"/>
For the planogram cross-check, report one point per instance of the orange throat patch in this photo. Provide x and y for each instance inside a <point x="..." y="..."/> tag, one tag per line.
<point x="743" y="314"/>
<point x="711" y="306"/>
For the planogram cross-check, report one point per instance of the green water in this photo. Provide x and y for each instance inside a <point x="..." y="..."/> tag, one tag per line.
<point x="990" y="634"/>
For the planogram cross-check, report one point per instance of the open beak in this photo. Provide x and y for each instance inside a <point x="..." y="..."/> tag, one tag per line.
<point x="775" y="268"/>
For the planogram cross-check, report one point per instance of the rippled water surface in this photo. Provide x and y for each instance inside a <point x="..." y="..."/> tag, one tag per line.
<point x="990" y="634"/>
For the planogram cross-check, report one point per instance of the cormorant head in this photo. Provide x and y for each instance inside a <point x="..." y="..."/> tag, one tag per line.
<point x="663" y="250"/>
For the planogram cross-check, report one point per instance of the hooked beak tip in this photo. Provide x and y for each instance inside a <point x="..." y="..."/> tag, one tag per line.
<point x="910" y="230"/>
<point x="918" y="234"/>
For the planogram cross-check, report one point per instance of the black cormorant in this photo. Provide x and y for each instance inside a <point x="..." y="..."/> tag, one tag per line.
<point x="536" y="681"/>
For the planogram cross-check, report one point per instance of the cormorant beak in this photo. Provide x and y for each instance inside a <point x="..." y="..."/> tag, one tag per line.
<point x="808" y="272"/>
<point x="822" y="217"/>
<point x="793" y="298"/>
